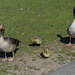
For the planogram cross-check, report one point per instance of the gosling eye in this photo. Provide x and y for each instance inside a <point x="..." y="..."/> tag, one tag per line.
<point x="46" y="52"/>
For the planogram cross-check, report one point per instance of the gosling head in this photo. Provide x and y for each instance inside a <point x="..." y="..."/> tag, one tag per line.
<point x="46" y="49"/>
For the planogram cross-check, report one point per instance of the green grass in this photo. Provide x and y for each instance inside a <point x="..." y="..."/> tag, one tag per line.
<point x="3" y="71"/>
<point x="24" y="19"/>
<point x="33" y="68"/>
<point x="28" y="18"/>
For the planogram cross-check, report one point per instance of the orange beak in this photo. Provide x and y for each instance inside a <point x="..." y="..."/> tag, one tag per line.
<point x="0" y="27"/>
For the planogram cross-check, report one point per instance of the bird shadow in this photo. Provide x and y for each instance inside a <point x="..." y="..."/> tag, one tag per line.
<point x="43" y="55"/>
<point x="33" y="44"/>
<point x="9" y="54"/>
<point x="65" y="40"/>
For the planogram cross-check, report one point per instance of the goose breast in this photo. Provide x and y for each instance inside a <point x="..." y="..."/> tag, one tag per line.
<point x="8" y="44"/>
<point x="71" y="31"/>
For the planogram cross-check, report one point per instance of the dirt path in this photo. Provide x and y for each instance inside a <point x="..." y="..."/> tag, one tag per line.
<point x="34" y="64"/>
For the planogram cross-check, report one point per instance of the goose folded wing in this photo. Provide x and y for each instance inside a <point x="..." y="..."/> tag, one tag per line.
<point x="12" y="40"/>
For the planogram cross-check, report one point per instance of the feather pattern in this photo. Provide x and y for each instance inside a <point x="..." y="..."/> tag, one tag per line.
<point x="7" y="44"/>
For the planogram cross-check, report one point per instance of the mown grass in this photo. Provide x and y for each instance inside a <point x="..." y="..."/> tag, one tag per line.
<point x="24" y="19"/>
<point x="28" y="18"/>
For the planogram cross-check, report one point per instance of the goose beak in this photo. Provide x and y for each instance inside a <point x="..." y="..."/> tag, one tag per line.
<point x="0" y="26"/>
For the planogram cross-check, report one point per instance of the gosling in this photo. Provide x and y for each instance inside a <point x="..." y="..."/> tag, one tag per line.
<point x="37" y="40"/>
<point x="46" y="53"/>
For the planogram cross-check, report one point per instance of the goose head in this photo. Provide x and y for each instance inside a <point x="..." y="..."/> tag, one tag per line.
<point x="2" y="27"/>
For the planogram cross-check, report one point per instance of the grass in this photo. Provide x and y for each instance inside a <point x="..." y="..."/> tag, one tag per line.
<point x="34" y="68"/>
<point x="3" y="71"/>
<point x="24" y="19"/>
<point x="28" y="18"/>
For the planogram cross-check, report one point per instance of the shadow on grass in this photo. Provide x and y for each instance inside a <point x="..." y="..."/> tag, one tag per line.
<point x="65" y="40"/>
<point x="9" y="54"/>
<point x="33" y="44"/>
<point x="43" y="55"/>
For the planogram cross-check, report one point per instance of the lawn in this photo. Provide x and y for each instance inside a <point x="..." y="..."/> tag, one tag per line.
<point x="24" y="19"/>
<point x="29" y="18"/>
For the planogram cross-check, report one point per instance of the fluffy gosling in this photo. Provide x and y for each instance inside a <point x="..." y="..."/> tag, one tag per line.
<point x="37" y="40"/>
<point x="46" y="53"/>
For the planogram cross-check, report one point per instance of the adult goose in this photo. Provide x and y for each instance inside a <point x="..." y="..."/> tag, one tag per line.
<point x="7" y="44"/>
<point x="71" y="29"/>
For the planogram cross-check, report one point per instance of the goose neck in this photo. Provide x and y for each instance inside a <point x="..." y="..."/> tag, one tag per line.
<point x="2" y="33"/>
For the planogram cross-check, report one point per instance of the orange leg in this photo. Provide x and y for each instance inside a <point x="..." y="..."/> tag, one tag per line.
<point x="5" y="57"/>
<point x="10" y="59"/>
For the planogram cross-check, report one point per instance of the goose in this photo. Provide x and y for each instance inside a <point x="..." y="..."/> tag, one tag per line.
<point x="46" y="53"/>
<point x="71" y="30"/>
<point x="7" y="44"/>
<point x="37" y="40"/>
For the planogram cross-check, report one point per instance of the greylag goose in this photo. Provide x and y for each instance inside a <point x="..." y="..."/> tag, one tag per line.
<point x="7" y="44"/>
<point x="71" y="29"/>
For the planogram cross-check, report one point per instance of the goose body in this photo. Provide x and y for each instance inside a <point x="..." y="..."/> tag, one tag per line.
<point x="71" y="29"/>
<point x="7" y="44"/>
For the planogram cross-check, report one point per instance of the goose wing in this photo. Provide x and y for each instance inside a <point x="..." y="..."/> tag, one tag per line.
<point x="12" y="40"/>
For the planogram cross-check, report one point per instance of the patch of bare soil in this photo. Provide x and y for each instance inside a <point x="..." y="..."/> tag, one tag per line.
<point x="35" y="64"/>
